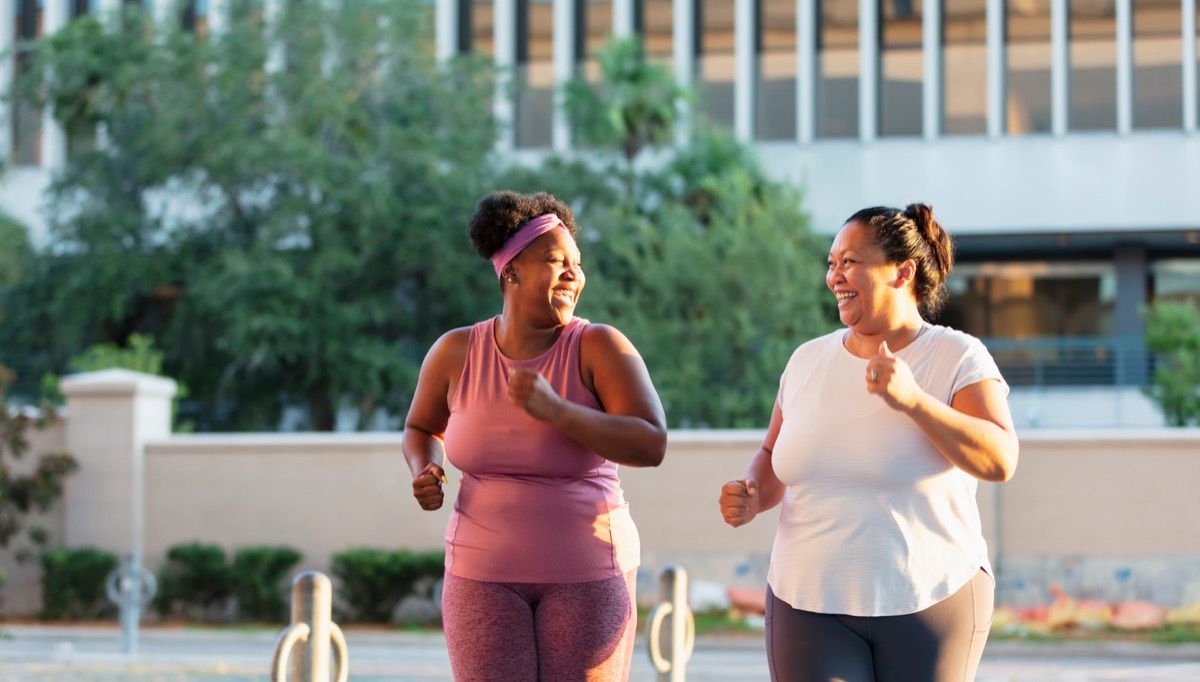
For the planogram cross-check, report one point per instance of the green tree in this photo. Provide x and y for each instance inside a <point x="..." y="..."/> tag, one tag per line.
<point x="1173" y="333"/>
<point x="702" y="260"/>
<point x="25" y="488"/>
<point x="292" y="236"/>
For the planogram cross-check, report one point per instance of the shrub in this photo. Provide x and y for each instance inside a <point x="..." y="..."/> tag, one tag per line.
<point x="73" y="583"/>
<point x="195" y="581"/>
<point x="373" y="581"/>
<point x="258" y="582"/>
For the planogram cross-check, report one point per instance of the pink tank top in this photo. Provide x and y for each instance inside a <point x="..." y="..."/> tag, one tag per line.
<point x="534" y="505"/>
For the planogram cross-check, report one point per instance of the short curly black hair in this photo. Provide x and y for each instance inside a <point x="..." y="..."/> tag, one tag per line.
<point x="500" y="214"/>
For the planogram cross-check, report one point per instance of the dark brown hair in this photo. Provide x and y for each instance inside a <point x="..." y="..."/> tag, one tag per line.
<point x="500" y="214"/>
<point x="913" y="234"/>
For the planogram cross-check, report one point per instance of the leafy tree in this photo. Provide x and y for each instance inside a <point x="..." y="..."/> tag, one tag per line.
<point x="1173" y="332"/>
<point x="292" y="236"/>
<point x="25" y="489"/>
<point x="704" y="262"/>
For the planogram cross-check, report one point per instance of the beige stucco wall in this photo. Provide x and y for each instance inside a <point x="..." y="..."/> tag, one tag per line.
<point x="1122" y="493"/>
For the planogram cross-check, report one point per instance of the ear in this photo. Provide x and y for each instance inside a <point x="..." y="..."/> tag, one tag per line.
<point x="906" y="272"/>
<point x="510" y="274"/>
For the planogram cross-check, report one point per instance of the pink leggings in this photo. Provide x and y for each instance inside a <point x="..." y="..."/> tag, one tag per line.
<point x="513" y="632"/>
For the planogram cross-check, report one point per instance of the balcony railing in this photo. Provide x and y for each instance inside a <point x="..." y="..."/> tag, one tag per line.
<point x="1075" y="361"/>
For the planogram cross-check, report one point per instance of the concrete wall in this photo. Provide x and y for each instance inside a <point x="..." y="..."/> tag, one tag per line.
<point x="1104" y="512"/>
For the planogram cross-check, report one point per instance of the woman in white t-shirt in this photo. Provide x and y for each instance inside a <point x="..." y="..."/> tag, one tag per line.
<point x="880" y="433"/>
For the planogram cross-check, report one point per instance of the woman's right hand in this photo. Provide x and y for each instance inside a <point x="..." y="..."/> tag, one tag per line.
<point x="739" y="501"/>
<point x="427" y="487"/>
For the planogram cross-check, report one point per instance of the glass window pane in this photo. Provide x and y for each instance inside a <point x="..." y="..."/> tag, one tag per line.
<point x="775" y="105"/>
<point x="964" y="59"/>
<point x="1157" y="69"/>
<point x="900" y="67"/>
<point x="1032" y="299"/>
<point x="715" y="61"/>
<point x="535" y="73"/>
<point x="837" y="69"/>
<point x="1176" y="280"/>
<point x="655" y="21"/>
<point x="481" y="37"/>
<point x="1027" y="60"/>
<point x="1093" y="55"/>
<point x="597" y="31"/>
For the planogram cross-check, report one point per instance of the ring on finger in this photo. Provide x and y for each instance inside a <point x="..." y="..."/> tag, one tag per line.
<point x="873" y="375"/>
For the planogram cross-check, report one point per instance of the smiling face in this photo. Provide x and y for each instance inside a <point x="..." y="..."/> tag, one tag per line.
<point x="549" y="279"/>
<point x="868" y="288"/>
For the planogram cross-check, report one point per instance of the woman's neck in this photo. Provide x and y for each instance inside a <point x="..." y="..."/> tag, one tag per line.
<point x="863" y="341"/>
<point x="520" y="340"/>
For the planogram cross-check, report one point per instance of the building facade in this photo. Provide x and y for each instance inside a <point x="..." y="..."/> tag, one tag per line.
<point x="1056" y="139"/>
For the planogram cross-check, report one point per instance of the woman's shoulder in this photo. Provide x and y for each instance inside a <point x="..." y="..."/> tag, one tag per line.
<point x="949" y="339"/>
<point x="451" y="347"/>
<point x="601" y="338"/>
<point x="819" y="344"/>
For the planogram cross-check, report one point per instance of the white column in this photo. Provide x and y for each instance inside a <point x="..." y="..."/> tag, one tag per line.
<point x="8" y="34"/>
<point x="868" y="69"/>
<point x="504" y="38"/>
<point x="684" y="56"/>
<point x="745" y="82"/>
<point x="1124" y="66"/>
<point x="447" y="28"/>
<point x="806" y="70"/>
<point x="275" y="56"/>
<point x="996" y="67"/>
<point x="54" y="139"/>
<point x="218" y="16"/>
<point x="1060" y="68"/>
<point x="622" y="18"/>
<point x="112" y="414"/>
<point x="1189" y="66"/>
<point x="108" y="9"/>
<point x="564" y="69"/>
<point x="162" y="11"/>
<point x="931" y="58"/>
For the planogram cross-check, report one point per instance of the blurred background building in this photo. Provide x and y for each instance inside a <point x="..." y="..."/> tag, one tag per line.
<point x="1056" y="139"/>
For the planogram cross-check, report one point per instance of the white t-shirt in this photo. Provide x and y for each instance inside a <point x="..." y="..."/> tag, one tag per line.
<point x="875" y="522"/>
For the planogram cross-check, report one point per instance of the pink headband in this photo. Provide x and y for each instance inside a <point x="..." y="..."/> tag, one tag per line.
<point x="529" y="231"/>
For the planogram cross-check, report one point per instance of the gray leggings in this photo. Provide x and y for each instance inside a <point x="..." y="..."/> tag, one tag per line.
<point x="943" y="643"/>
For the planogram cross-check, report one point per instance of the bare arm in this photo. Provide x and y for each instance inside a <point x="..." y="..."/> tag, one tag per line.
<point x="630" y="429"/>
<point x="974" y="432"/>
<point x="761" y="490"/>
<point x="425" y="425"/>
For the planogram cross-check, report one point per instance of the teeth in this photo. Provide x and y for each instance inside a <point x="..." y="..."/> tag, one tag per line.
<point x="845" y="295"/>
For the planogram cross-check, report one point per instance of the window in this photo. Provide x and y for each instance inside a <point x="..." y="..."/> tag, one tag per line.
<point x="1093" y="55"/>
<point x="595" y="30"/>
<point x="900" y="67"/>
<point x="1157" y="66"/>
<point x="479" y="38"/>
<point x="1032" y="299"/>
<point x="716" y="66"/>
<point x="964" y="59"/>
<point x="654" y="24"/>
<point x="534" y="73"/>
<point x="837" y="69"/>
<point x="1176" y="280"/>
<point x="775" y="97"/>
<point x="1027" y="57"/>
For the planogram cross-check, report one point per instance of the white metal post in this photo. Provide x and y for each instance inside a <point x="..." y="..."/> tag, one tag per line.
<point x="564" y="69"/>
<point x="684" y="55"/>
<point x="996" y="69"/>
<point x="622" y="18"/>
<point x="8" y="36"/>
<point x="504" y="38"/>
<point x="931" y="58"/>
<point x="1189" y="65"/>
<point x="1060" y="67"/>
<point x="1124" y="66"/>
<point x="806" y="70"/>
<point x="446" y="19"/>
<point x="54" y="138"/>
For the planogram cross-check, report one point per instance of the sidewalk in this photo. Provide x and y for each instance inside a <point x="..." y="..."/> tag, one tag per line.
<point x="32" y="653"/>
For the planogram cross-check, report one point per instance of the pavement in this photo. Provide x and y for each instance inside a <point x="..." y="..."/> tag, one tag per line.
<point x="36" y="653"/>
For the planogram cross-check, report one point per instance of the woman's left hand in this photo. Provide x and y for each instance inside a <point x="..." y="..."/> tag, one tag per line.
<point x="890" y="378"/>
<point x="531" y="392"/>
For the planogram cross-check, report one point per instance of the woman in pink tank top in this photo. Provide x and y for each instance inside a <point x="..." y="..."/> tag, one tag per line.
<point x="536" y="408"/>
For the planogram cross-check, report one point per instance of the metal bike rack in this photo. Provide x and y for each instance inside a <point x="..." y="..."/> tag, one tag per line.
<point x="304" y="646"/>
<point x="130" y="586"/>
<point x="671" y="663"/>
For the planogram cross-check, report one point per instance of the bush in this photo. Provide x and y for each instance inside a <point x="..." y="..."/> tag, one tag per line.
<point x="373" y="581"/>
<point x="195" y="582"/>
<point x="73" y="583"/>
<point x="1173" y="332"/>
<point x="258" y="582"/>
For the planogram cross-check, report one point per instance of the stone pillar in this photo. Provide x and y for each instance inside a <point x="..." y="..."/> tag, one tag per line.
<point x="111" y="415"/>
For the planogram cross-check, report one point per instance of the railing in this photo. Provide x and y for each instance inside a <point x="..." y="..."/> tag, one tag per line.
<point x="1073" y="361"/>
